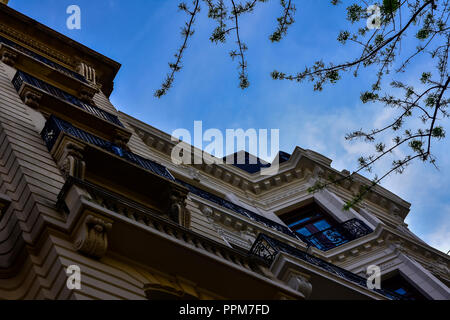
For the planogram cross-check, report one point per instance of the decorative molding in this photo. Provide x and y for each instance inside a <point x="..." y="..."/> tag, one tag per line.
<point x="8" y="56"/>
<point x="71" y="162"/>
<point x="31" y="97"/>
<point x="92" y="239"/>
<point x="23" y="38"/>
<point x="300" y="282"/>
<point x="87" y="71"/>
<point x="178" y="212"/>
<point x="304" y="164"/>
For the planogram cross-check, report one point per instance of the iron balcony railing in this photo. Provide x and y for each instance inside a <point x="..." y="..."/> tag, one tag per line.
<point x="44" y="60"/>
<point x="338" y="235"/>
<point x="21" y="77"/>
<point x="268" y="248"/>
<point x="54" y="126"/>
<point x="238" y="209"/>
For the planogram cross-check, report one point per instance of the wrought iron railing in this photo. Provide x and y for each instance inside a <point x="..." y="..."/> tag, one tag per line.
<point x="22" y="77"/>
<point x="54" y="126"/>
<point x="338" y="235"/>
<point x="267" y="248"/>
<point x="238" y="209"/>
<point x="42" y="59"/>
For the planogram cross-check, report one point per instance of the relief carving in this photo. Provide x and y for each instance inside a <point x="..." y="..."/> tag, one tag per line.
<point x="9" y="57"/>
<point x="177" y="208"/>
<point x="92" y="239"/>
<point x="72" y="163"/>
<point x="31" y="98"/>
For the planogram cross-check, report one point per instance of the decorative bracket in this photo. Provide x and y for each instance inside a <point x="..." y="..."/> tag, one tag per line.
<point x="300" y="282"/>
<point x="177" y="207"/>
<point x="31" y="97"/>
<point x="8" y="56"/>
<point x="86" y="95"/>
<point x="92" y="239"/>
<point x="72" y="163"/>
<point x="87" y="71"/>
<point x="121" y="139"/>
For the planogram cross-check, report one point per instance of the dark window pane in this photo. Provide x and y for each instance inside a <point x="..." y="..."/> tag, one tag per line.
<point x="322" y="225"/>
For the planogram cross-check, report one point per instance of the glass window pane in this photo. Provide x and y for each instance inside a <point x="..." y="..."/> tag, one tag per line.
<point x="304" y="231"/>
<point x="322" y="225"/>
<point x="304" y="219"/>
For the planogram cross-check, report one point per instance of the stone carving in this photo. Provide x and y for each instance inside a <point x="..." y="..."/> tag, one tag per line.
<point x="9" y="57"/>
<point x="177" y="208"/>
<point x="31" y="98"/>
<point x="23" y="38"/>
<point x="86" y="95"/>
<point x="87" y="71"/>
<point x="72" y="163"/>
<point x="121" y="140"/>
<point x="194" y="174"/>
<point x="301" y="284"/>
<point x="92" y="239"/>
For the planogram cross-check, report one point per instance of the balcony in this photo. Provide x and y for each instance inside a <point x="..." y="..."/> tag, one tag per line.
<point x="42" y="59"/>
<point x="26" y="60"/>
<point x="338" y="235"/>
<point x="55" y="128"/>
<point x="268" y="248"/>
<point x="99" y="219"/>
<point x="51" y="100"/>
<point x="238" y="209"/>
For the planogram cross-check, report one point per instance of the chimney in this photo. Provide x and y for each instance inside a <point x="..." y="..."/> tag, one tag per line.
<point x="4" y="1"/>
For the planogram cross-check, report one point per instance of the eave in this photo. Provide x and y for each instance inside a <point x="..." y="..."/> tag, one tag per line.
<point x="57" y="46"/>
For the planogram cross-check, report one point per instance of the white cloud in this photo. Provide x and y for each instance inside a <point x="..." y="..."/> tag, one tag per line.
<point x="440" y="238"/>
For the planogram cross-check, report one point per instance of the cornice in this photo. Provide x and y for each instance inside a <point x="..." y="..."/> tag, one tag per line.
<point x="56" y="46"/>
<point x="303" y="164"/>
<point x="379" y="239"/>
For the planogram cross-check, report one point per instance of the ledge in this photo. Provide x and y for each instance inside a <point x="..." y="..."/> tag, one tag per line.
<point x="97" y="226"/>
<point x="50" y="100"/>
<point x="23" y="59"/>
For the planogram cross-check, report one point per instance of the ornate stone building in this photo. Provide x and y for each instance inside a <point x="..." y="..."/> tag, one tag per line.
<point x="83" y="184"/>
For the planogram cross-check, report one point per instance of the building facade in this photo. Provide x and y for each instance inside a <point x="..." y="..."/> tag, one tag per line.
<point x="84" y="185"/>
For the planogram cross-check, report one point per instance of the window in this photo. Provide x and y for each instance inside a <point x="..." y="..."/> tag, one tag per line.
<point x="319" y="229"/>
<point x="308" y="220"/>
<point x="401" y="286"/>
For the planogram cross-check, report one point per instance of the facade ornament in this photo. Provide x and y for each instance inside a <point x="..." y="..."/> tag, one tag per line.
<point x="86" y="95"/>
<point x="92" y="239"/>
<point x="87" y="71"/>
<point x="155" y="291"/>
<point x="31" y="98"/>
<point x="9" y="57"/>
<point x="207" y="211"/>
<point x="300" y="283"/>
<point x="121" y="140"/>
<point x="73" y="164"/>
<point x="194" y="174"/>
<point x="177" y="208"/>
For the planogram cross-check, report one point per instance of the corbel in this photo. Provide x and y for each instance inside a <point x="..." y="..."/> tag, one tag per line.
<point x="8" y="56"/>
<point x="91" y="238"/>
<point x="31" y="97"/>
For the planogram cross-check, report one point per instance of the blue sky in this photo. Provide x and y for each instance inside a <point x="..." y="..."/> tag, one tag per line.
<point x="143" y="35"/>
